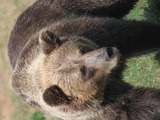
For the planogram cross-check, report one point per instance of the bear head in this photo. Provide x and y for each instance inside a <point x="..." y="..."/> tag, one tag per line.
<point x="74" y="68"/>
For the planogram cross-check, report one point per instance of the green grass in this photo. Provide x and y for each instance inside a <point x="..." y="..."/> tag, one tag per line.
<point x="145" y="10"/>
<point x="143" y="71"/>
<point x="36" y="116"/>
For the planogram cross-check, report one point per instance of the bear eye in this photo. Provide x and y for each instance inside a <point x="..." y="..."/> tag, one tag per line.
<point x="84" y="50"/>
<point x="83" y="71"/>
<point x="87" y="73"/>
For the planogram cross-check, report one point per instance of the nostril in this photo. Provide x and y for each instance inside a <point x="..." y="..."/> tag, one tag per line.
<point x="110" y="52"/>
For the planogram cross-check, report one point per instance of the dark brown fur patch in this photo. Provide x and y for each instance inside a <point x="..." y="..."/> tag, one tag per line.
<point x="55" y="96"/>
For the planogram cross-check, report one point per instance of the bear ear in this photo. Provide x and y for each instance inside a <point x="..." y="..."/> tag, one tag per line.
<point x="48" y="41"/>
<point x="55" y="96"/>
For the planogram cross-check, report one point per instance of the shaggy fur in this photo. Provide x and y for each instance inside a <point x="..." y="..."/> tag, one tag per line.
<point x="68" y="55"/>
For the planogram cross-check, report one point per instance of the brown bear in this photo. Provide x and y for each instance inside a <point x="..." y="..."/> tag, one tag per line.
<point x="68" y="56"/>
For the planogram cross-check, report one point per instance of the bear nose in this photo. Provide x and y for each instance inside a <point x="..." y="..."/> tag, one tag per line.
<point x="110" y="52"/>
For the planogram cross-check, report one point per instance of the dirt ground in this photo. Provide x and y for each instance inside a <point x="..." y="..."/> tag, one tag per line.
<point x="9" y="104"/>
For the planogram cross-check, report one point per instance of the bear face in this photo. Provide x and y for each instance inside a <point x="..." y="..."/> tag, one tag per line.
<point x="74" y="68"/>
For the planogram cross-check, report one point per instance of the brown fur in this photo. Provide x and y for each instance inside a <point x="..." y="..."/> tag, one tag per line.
<point x="62" y="66"/>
